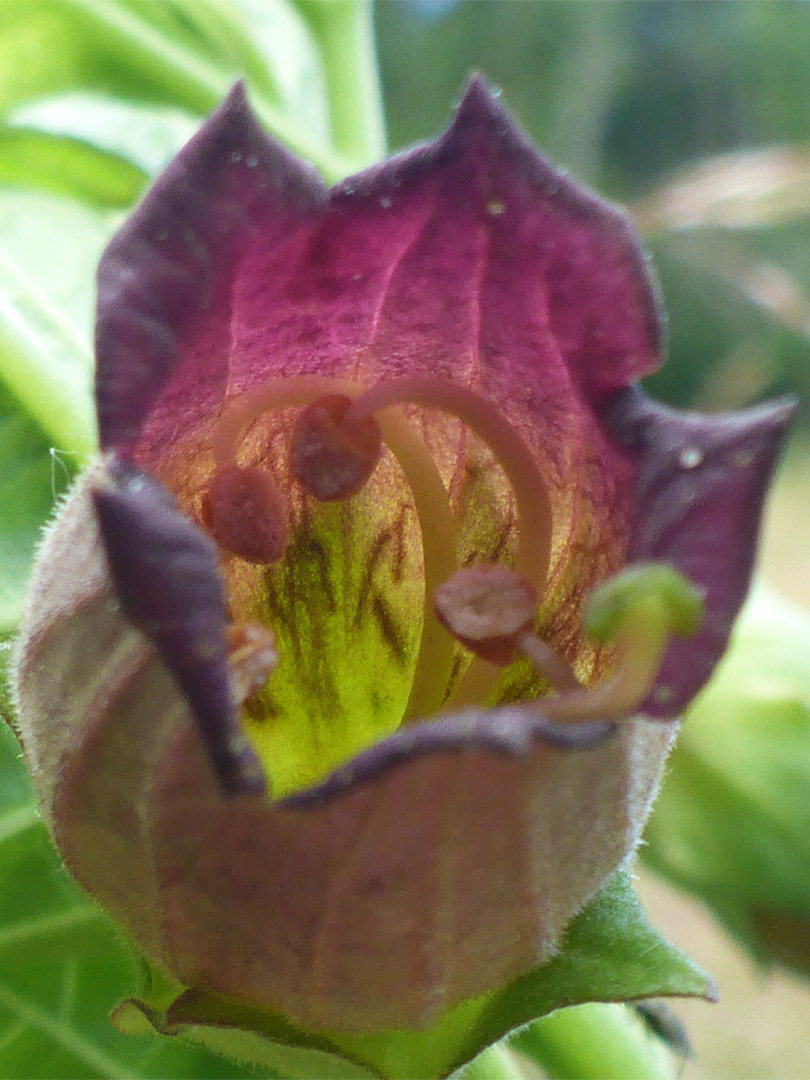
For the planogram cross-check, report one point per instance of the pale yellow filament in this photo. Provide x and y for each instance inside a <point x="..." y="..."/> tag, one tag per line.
<point x="528" y="485"/>
<point x="527" y="482"/>
<point x="638" y="661"/>
<point x="557" y="672"/>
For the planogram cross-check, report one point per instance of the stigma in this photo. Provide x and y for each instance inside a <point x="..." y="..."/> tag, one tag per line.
<point x="491" y="610"/>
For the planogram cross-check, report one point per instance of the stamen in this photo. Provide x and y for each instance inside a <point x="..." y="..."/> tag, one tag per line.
<point x="525" y="478"/>
<point x="330" y="454"/>
<point x="246" y="513"/>
<point x="491" y="610"/>
<point x="252" y="656"/>
<point x="528" y="486"/>
<point x="487" y="609"/>
<point x="557" y="672"/>
<point x="438" y="532"/>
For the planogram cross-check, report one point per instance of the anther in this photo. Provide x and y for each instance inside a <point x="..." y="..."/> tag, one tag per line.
<point x="331" y="454"/>
<point x="252" y="656"/>
<point x="246" y="513"/>
<point x="491" y="611"/>
<point x="487" y="609"/>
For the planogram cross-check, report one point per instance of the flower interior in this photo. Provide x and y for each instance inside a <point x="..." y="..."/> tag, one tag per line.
<point x="389" y="552"/>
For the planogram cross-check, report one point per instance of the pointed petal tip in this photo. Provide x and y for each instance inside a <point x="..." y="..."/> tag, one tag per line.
<point x="237" y="94"/>
<point x="479" y="106"/>
<point x="478" y="96"/>
<point x="777" y="414"/>
<point x="235" y="104"/>
<point x="165" y="574"/>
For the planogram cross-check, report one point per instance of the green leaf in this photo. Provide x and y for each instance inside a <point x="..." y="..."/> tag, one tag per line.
<point x="144" y="136"/>
<point x="345" y="32"/>
<point x="67" y="166"/>
<point x="63" y="966"/>
<point x="48" y="249"/>
<point x="183" y="54"/>
<point x="265" y="41"/>
<point x="732" y="823"/>
<point x="28" y="479"/>
<point x="611" y="953"/>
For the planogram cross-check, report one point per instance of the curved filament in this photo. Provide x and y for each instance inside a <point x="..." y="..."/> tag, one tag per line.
<point x="438" y="533"/>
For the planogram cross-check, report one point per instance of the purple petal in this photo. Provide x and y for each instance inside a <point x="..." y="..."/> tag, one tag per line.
<point x="164" y="281"/>
<point x="444" y="876"/>
<point x="166" y="574"/>
<point x="470" y="258"/>
<point x="698" y="500"/>
<point x="422" y="257"/>
<point x="511" y="731"/>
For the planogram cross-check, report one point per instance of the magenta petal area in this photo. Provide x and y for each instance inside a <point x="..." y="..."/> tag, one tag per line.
<point x="471" y="258"/>
<point x="167" y="578"/>
<point x="699" y="491"/>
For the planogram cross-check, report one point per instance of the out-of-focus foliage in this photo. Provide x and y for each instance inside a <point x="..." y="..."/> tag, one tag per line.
<point x="732" y="821"/>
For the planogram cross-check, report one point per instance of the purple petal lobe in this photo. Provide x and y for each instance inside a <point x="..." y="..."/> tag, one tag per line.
<point x="167" y="578"/>
<point x="508" y="730"/>
<point x="699" y="493"/>
<point x="475" y="258"/>
<point x="163" y="282"/>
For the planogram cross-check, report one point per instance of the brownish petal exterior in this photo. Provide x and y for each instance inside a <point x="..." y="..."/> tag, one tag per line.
<point x="440" y="876"/>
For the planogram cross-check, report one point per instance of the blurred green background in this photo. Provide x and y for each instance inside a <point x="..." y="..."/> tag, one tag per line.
<point x="693" y="113"/>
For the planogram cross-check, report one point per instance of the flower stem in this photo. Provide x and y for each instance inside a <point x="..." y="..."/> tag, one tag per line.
<point x="596" y="1042"/>
<point x="345" y="30"/>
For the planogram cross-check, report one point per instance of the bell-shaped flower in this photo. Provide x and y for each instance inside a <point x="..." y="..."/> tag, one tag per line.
<point x="309" y="682"/>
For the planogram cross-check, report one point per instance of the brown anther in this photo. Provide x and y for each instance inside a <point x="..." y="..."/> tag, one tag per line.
<point x="332" y="457"/>
<point x="488" y="609"/>
<point x="252" y="656"/>
<point x="246" y="514"/>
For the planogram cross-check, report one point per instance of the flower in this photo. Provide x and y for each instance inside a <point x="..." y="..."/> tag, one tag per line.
<point x="320" y="412"/>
